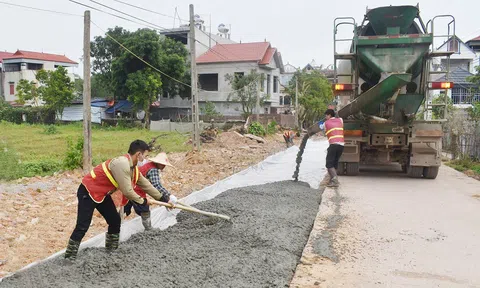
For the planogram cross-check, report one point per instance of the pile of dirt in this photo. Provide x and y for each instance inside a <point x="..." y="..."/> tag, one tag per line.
<point x="261" y="248"/>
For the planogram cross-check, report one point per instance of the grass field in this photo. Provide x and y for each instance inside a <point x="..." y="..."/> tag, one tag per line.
<point x="47" y="147"/>
<point x="463" y="165"/>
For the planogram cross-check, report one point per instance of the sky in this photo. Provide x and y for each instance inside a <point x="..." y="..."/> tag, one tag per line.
<point x="302" y="30"/>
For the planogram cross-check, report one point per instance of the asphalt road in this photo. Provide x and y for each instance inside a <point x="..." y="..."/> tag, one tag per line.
<point x="382" y="229"/>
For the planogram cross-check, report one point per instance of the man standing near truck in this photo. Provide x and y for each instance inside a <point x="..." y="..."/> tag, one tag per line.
<point x="333" y="128"/>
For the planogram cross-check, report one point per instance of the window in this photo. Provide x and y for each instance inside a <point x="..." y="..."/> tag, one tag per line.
<point x="12" y="88"/>
<point x="281" y="100"/>
<point x="268" y="83"/>
<point x="12" y="67"/>
<point x="33" y="66"/>
<point x="262" y="83"/>
<point x="287" y="100"/>
<point x="275" y="84"/>
<point x="208" y="82"/>
<point x="266" y="110"/>
<point x="453" y="45"/>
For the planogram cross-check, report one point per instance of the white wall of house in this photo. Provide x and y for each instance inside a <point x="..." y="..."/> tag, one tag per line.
<point x="221" y="95"/>
<point x="12" y="78"/>
<point x="465" y="57"/>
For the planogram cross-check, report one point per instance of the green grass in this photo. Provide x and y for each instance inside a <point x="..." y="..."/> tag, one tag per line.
<point x="463" y="165"/>
<point x="44" y="152"/>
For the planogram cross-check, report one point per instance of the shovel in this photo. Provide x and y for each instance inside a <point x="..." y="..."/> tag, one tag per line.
<point x="190" y="209"/>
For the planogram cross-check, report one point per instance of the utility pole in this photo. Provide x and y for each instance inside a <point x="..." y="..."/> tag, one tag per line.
<point x="195" y="110"/>
<point x="87" y="116"/>
<point x="296" y="102"/>
<point x="258" y="102"/>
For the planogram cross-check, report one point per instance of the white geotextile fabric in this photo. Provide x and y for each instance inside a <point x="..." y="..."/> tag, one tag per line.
<point x="278" y="167"/>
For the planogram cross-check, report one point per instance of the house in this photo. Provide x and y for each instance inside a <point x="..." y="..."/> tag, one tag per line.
<point x="239" y="59"/>
<point x="74" y="112"/>
<point x="461" y="65"/>
<point x="474" y="44"/>
<point x="23" y="65"/>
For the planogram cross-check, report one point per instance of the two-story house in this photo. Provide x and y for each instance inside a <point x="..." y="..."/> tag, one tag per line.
<point x="461" y="65"/>
<point x="239" y="59"/>
<point x="24" y="65"/>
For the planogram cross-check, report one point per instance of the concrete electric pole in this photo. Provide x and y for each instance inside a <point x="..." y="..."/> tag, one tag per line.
<point x="87" y="117"/>
<point x="195" y="108"/>
<point x="296" y="102"/>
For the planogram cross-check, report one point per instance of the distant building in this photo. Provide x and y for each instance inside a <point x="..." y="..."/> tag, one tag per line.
<point x="23" y="65"/>
<point x="239" y="59"/>
<point x="461" y="65"/>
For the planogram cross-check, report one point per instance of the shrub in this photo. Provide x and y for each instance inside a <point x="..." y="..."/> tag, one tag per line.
<point x="272" y="127"/>
<point x="74" y="156"/>
<point x="256" y="129"/>
<point x="50" y="130"/>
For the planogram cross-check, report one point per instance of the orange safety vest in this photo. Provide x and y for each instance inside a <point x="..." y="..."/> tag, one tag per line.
<point x="334" y="128"/>
<point x="100" y="182"/>
<point x="144" y="170"/>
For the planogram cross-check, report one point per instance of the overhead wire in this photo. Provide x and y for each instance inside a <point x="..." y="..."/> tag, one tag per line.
<point x="40" y="9"/>
<point x="148" y="10"/>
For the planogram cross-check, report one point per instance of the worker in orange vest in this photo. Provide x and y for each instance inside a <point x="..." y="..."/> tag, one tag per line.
<point x="94" y="193"/>
<point x="150" y="170"/>
<point x="333" y="128"/>
<point x="288" y="136"/>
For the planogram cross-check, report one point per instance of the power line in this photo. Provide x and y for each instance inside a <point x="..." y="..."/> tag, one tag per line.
<point x="111" y="14"/>
<point x="144" y="9"/>
<point x="40" y="9"/>
<point x="126" y="14"/>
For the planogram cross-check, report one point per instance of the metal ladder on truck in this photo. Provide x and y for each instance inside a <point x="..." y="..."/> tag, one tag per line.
<point x="445" y="70"/>
<point x="349" y="89"/>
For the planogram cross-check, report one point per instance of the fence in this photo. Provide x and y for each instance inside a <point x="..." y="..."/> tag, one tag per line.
<point x="466" y="145"/>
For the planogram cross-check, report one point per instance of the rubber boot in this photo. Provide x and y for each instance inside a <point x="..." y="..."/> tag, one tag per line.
<point x="111" y="241"/>
<point x="326" y="180"/>
<point x="333" y="178"/>
<point x="72" y="249"/>
<point x="146" y="220"/>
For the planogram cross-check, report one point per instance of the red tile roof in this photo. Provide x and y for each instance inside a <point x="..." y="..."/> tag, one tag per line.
<point x="4" y="55"/>
<point x="20" y="54"/>
<point x="475" y="39"/>
<point x="260" y="52"/>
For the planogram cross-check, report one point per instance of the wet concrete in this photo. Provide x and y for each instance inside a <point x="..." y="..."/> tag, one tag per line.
<point x="261" y="248"/>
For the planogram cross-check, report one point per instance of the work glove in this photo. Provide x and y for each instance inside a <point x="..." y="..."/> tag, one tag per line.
<point x="128" y="208"/>
<point x="172" y="200"/>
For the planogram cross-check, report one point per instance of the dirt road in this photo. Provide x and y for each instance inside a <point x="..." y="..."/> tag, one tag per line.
<point x="382" y="229"/>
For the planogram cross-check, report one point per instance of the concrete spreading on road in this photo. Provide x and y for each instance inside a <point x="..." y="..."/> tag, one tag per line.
<point x="261" y="248"/>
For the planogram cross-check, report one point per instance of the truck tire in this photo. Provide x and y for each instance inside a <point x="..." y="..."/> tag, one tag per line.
<point x="353" y="169"/>
<point x="341" y="168"/>
<point x="430" y="172"/>
<point x="415" y="171"/>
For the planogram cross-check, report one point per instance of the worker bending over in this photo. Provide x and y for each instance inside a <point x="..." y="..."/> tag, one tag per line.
<point x="94" y="193"/>
<point x="288" y="137"/>
<point x="333" y="128"/>
<point x="150" y="170"/>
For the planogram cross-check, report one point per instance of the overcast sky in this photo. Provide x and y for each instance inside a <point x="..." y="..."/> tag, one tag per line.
<point x="301" y="30"/>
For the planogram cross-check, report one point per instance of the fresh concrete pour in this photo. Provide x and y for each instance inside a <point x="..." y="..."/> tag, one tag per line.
<point x="261" y="248"/>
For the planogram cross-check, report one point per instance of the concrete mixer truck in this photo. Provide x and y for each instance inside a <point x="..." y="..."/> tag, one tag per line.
<point x="388" y="78"/>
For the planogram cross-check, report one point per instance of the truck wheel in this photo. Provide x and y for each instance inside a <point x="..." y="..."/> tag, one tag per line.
<point x="341" y="168"/>
<point x="353" y="169"/>
<point x="415" y="171"/>
<point x="430" y="172"/>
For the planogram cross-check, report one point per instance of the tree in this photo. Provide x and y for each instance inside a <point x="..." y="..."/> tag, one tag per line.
<point x="56" y="88"/>
<point x="27" y="91"/>
<point x="315" y="93"/>
<point x="245" y="90"/>
<point x="99" y="89"/>
<point x="209" y="110"/>
<point x="104" y="50"/>
<point x="144" y="86"/>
